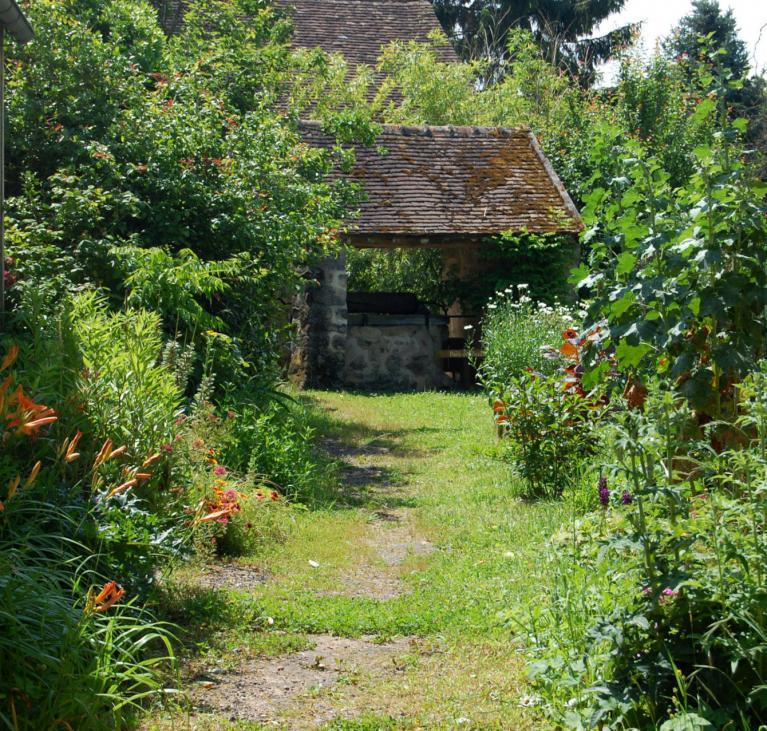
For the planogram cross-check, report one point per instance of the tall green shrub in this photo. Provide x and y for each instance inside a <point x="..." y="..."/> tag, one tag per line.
<point x="160" y="171"/>
<point x="678" y="275"/>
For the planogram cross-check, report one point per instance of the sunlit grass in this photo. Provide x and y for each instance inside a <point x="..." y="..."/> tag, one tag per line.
<point x="435" y="452"/>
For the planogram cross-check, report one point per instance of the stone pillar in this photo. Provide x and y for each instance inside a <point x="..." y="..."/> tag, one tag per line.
<point x="319" y="355"/>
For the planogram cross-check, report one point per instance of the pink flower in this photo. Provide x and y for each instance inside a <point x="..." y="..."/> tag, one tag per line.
<point x="667" y="595"/>
<point x="167" y="448"/>
<point x="219" y="470"/>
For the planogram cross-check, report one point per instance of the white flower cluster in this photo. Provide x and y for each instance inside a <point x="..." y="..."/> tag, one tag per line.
<point x="506" y="300"/>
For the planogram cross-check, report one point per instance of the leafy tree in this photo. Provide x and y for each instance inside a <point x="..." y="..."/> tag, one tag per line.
<point x="677" y="274"/>
<point x="708" y="21"/>
<point x="160" y="170"/>
<point x="561" y="28"/>
<point x="654" y="105"/>
<point x="709" y="27"/>
<point x="651" y="102"/>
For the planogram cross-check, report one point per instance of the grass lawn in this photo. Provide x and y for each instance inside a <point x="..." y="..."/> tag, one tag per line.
<point x="418" y="539"/>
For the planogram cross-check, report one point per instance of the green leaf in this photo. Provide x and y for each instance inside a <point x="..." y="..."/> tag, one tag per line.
<point x="740" y="124"/>
<point x="578" y="274"/>
<point x="626" y="262"/>
<point x="630" y="356"/>
<point x="703" y="111"/>
<point x="592" y="378"/>
<point x="686" y="722"/>
<point x="619" y="307"/>
<point x="695" y="306"/>
<point x="703" y="153"/>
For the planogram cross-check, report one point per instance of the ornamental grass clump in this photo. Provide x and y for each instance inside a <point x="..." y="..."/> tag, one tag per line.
<point x="76" y="650"/>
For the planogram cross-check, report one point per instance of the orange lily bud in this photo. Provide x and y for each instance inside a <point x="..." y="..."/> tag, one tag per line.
<point x="71" y="446"/>
<point x="117" y="452"/>
<point x="106" y="449"/>
<point x="10" y="357"/>
<point x="213" y="516"/>
<point x="13" y="486"/>
<point x="33" y="474"/>
<point x="122" y="488"/>
<point x="32" y="426"/>
<point x="151" y="460"/>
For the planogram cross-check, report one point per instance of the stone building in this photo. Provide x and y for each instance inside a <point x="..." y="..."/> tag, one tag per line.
<point x="439" y="187"/>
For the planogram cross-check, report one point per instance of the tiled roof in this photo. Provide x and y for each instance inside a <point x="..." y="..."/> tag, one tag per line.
<point x="358" y="29"/>
<point x="448" y="181"/>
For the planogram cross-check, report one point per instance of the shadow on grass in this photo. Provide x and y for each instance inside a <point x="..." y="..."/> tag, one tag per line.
<point x="354" y="438"/>
<point x="344" y="450"/>
<point x="197" y="611"/>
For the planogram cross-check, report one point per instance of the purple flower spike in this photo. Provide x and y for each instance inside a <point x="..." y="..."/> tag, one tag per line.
<point x="626" y="498"/>
<point x="604" y="493"/>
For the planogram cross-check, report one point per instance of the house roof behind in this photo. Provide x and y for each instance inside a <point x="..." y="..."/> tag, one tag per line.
<point x="449" y="181"/>
<point x="358" y="29"/>
<point x="15" y="22"/>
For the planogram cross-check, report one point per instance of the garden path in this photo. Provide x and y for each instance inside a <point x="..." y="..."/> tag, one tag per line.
<point x="388" y="604"/>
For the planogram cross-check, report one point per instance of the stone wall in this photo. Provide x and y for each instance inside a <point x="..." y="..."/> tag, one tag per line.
<point x="394" y="352"/>
<point x="319" y="354"/>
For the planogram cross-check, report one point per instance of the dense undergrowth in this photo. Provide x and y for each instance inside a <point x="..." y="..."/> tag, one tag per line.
<point x="655" y="410"/>
<point x="160" y="213"/>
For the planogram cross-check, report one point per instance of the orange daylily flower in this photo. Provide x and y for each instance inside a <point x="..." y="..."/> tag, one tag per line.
<point x="110" y="593"/>
<point x="28" y="417"/>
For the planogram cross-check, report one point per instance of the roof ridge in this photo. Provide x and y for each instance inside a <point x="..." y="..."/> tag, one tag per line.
<point x="441" y="130"/>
